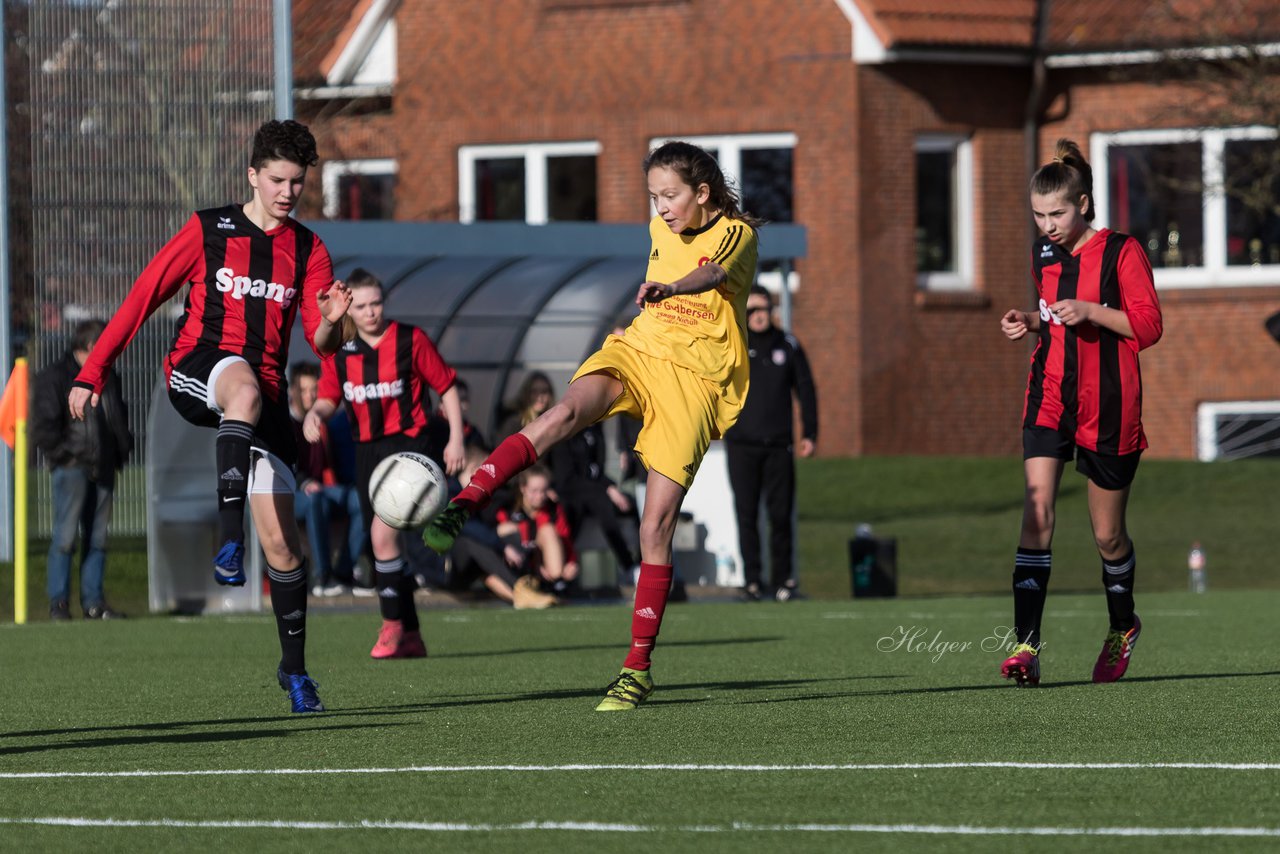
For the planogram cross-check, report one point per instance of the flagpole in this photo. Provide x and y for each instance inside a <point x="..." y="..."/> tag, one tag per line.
<point x="20" y="465"/>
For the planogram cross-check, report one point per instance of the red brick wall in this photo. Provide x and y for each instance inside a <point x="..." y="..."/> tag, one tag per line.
<point x="939" y="375"/>
<point x="897" y="371"/>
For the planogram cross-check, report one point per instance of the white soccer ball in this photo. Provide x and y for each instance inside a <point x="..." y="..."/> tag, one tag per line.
<point x="408" y="490"/>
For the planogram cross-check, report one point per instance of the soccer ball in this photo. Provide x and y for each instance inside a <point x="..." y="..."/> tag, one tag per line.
<point x="408" y="490"/>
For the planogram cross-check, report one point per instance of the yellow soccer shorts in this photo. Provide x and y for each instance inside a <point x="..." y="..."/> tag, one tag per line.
<point x="677" y="407"/>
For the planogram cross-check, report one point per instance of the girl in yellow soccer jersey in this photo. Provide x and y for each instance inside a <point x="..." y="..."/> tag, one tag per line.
<point x="680" y="367"/>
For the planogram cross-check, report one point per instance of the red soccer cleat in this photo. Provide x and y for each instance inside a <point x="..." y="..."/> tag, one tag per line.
<point x="1113" y="661"/>
<point x="1023" y="666"/>
<point x="411" y="646"/>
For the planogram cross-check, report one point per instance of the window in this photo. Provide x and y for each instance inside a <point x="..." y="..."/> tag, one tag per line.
<point x="944" y="203"/>
<point x="1201" y="202"/>
<point x="1232" y="430"/>
<point x="759" y="165"/>
<point x="534" y="183"/>
<point x="359" y="189"/>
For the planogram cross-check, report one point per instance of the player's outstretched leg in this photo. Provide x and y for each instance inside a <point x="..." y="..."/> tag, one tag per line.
<point x="515" y="454"/>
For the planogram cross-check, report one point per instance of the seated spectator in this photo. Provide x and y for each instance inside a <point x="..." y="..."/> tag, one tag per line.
<point x="322" y="494"/>
<point x="584" y="490"/>
<point x="534" y="398"/>
<point x="541" y="528"/>
<point x="481" y="552"/>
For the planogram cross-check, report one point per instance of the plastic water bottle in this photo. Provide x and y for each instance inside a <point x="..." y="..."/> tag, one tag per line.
<point x="1196" y="582"/>
<point x="726" y="568"/>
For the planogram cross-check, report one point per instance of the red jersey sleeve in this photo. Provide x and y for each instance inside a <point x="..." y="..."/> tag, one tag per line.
<point x="430" y="365"/>
<point x="328" y="388"/>
<point x="318" y="278"/>
<point x="566" y="535"/>
<point x="178" y="262"/>
<point x="1138" y="293"/>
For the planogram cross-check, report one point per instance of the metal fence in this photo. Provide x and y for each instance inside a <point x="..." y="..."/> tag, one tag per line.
<point x="139" y="113"/>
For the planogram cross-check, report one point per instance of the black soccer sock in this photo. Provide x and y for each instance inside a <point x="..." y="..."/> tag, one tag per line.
<point x="1117" y="578"/>
<point x="1030" y="586"/>
<point x="408" y="612"/>
<point x="289" y="602"/>
<point x="232" y="448"/>
<point x="386" y="579"/>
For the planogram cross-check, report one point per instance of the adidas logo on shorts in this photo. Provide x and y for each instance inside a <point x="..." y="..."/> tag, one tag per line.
<point x="232" y="474"/>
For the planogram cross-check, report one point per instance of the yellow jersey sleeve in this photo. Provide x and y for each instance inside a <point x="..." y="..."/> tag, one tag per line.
<point x="706" y="332"/>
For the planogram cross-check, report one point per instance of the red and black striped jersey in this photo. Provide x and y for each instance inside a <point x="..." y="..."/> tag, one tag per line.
<point x="528" y="526"/>
<point x="1085" y="379"/>
<point x="246" y="287"/>
<point x="385" y="387"/>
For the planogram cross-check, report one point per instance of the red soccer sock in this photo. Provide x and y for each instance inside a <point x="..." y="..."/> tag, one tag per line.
<point x="512" y="456"/>
<point x="651" y="600"/>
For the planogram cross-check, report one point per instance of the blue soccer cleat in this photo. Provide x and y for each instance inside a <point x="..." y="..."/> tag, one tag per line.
<point x="302" y="692"/>
<point x="228" y="566"/>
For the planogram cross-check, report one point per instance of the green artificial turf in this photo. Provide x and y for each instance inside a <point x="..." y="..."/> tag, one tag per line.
<point x="769" y="685"/>
<point x="956" y="522"/>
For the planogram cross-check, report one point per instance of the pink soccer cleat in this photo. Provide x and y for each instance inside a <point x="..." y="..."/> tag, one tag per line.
<point x="1113" y="661"/>
<point x="1023" y="666"/>
<point x="388" y="640"/>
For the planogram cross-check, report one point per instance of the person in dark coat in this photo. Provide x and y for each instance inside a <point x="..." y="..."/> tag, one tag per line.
<point x="84" y="457"/>
<point x="761" y="447"/>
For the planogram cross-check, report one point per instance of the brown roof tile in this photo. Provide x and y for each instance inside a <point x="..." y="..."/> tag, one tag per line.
<point x="963" y="23"/>
<point x="1073" y="25"/>
<point x="318" y="26"/>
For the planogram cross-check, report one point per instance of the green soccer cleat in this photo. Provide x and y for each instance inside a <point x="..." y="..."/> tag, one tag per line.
<point x="444" y="528"/>
<point x="627" y="691"/>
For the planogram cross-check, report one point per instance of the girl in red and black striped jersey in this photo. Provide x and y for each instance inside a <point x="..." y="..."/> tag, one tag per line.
<point x="384" y="376"/>
<point x="251" y="268"/>
<point x="1097" y="309"/>
<point x="543" y="529"/>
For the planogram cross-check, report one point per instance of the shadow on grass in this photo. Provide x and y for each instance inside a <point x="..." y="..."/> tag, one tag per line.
<point x="205" y="737"/>
<point x="609" y="645"/>
<point x="1005" y="686"/>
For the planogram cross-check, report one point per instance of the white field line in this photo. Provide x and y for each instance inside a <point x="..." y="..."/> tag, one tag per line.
<point x="481" y="769"/>
<point x="609" y="827"/>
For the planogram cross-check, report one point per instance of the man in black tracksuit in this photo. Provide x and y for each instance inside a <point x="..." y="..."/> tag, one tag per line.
<point x="760" y="446"/>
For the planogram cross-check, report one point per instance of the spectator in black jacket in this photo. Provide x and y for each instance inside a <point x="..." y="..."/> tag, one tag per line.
<point x="760" y="448"/>
<point x="84" y="457"/>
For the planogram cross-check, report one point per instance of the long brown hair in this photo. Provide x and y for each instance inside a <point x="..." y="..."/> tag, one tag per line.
<point x="696" y="166"/>
<point x="1067" y="173"/>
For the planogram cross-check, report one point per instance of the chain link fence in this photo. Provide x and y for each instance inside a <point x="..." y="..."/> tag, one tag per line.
<point x="138" y="114"/>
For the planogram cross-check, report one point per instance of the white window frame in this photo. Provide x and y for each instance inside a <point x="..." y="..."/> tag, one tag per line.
<point x="962" y="278"/>
<point x="729" y="148"/>
<point x="535" y="156"/>
<point x="1207" y="416"/>
<point x="336" y="169"/>
<point x="1215" y="271"/>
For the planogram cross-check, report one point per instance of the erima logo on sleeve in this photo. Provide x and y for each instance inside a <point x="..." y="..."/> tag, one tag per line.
<point x="225" y="222"/>
<point x="242" y="286"/>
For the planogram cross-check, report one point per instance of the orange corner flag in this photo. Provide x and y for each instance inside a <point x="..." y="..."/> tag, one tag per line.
<point x="13" y="406"/>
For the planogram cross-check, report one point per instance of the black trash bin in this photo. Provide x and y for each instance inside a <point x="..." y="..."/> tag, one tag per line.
<point x="873" y="565"/>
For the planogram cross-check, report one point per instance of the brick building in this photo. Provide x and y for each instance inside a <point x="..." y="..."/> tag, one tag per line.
<point x="899" y="133"/>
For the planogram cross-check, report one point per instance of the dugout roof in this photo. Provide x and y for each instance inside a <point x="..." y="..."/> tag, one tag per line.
<point x="503" y="299"/>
